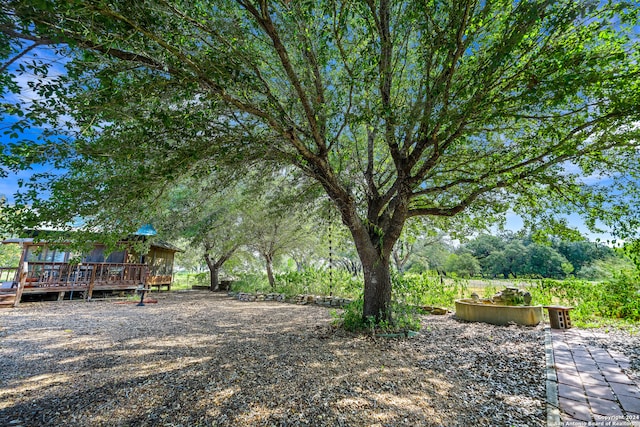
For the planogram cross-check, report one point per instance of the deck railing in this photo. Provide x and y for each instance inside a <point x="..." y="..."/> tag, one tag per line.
<point x="62" y="277"/>
<point x="52" y="274"/>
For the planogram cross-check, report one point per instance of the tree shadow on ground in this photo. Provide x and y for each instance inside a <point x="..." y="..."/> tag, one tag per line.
<point x="207" y="360"/>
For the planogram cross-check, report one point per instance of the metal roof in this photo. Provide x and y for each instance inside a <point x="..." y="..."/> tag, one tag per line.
<point x="157" y="243"/>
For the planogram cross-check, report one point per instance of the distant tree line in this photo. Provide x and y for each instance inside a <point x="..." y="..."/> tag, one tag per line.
<point x="513" y="256"/>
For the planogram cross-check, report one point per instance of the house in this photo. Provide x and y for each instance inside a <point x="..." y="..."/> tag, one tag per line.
<point x="46" y="269"/>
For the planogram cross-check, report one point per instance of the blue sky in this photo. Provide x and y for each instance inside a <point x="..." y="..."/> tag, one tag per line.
<point x="9" y="185"/>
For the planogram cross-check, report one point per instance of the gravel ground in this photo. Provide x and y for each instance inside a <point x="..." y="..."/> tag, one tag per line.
<point x="201" y="359"/>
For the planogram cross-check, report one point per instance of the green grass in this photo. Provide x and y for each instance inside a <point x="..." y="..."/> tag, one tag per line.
<point x="184" y="280"/>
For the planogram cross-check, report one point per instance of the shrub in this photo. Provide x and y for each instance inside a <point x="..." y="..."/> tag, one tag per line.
<point x="428" y="289"/>
<point x="251" y="283"/>
<point x="320" y="282"/>
<point x="351" y="317"/>
<point x="621" y="296"/>
<point x="404" y="318"/>
<point x="617" y="298"/>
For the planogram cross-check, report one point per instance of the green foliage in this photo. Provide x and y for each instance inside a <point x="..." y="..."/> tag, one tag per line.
<point x="511" y="257"/>
<point x="544" y="261"/>
<point x="318" y="281"/>
<point x="483" y="245"/>
<point x="616" y="298"/>
<point x="428" y="289"/>
<point x="397" y="110"/>
<point x="190" y="258"/>
<point x="251" y="283"/>
<point x="489" y="291"/>
<point x="202" y="279"/>
<point x="309" y="281"/>
<point x="185" y="280"/>
<point x="621" y="296"/>
<point x="582" y="254"/>
<point x="411" y="292"/>
<point x="351" y="316"/>
<point x="463" y="265"/>
<point x="404" y="318"/>
<point x="9" y="255"/>
<point x="428" y="256"/>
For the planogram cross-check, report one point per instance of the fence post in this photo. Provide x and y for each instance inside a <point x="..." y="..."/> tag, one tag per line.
<point x="21" y="283"/>
<point x="92" y="282"/>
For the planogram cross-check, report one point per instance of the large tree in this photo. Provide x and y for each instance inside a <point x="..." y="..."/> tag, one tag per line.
<point x="398" y="108"/>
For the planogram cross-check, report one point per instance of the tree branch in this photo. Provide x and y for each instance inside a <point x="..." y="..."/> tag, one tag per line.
<point x="20" y="55"/>
<point x="264" y="19"/>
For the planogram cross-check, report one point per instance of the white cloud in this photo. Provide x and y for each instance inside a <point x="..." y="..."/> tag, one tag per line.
<point x="571" y="168"/>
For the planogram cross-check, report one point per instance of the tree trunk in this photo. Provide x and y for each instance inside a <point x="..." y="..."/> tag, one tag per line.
<point x="377" y="288"/>
<point x="215" y="281"/>
<point x="215" y="266"/>
<point x="214" y="271"/>
<point x="269" y="261"/>
<point x="374" y="238"/>
<point x="375" y="258"/>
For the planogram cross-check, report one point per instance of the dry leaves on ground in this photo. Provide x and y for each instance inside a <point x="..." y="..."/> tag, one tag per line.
<point x="201" y="359"/>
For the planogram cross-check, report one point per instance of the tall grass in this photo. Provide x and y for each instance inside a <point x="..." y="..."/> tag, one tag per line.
<point x="428" y="288"/>
<point x="308" y="281"/>
<point x="594" y="303"/>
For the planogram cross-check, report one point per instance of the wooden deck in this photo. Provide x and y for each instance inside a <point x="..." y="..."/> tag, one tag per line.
<point x="8" y="278"/>
<point x="59" y="277"/>
<point x="160" y="281"/>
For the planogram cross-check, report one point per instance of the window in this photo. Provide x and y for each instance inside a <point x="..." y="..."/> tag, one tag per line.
<point x="44" y="254"/>
<point x="96" y="255"/>
<point x="162" y="263"/>
<point x="116" y="257"/>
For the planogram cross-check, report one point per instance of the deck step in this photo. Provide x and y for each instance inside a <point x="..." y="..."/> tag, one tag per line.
<point x="7" y="297"/>
<point x="7" y="303"/>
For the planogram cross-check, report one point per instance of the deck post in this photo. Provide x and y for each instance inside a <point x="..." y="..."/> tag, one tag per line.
<point x="21" y="283"/>
<point x="61" y="296"/>
<point x="91" y="283"/>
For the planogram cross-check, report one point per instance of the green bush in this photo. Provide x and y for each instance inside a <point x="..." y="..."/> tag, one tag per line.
<point x="621" y="296"/>
<point x="489" y="291"/>
<point x="404" y="318"/>
<point x="251" y="283"/>
<point x="410" y="292"/>
<point x="428" y="289"/>
<point x="593" y="302"/>
<point x="308" y="281"/>
<point x="320" y="282"/>
<point x="351" y="316"/>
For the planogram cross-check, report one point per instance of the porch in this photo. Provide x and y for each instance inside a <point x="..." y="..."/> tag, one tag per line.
<point x="59" y="277"/>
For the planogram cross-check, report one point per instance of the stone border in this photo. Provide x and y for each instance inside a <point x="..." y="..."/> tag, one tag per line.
<point x="325" y="301"/>
<point x="553" y="406"/>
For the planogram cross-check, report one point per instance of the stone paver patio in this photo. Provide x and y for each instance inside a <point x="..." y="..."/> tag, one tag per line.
<point x="593" y="388"/>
